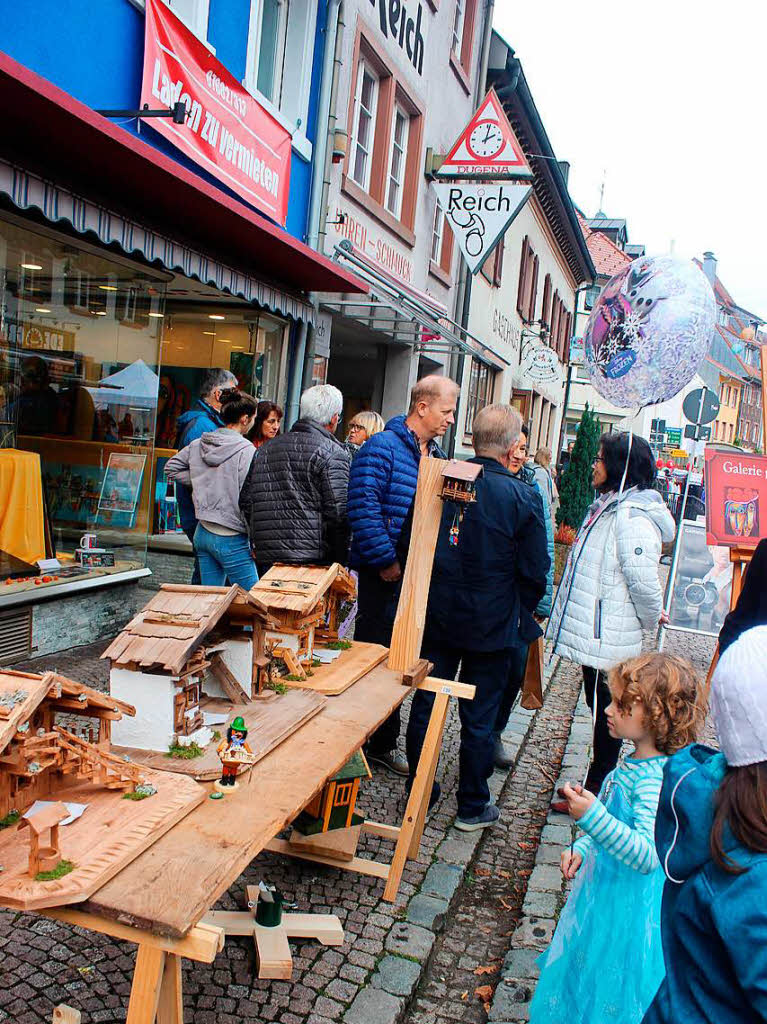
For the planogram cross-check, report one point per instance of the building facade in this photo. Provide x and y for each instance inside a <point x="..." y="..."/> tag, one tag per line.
<point x="131" y="264"/>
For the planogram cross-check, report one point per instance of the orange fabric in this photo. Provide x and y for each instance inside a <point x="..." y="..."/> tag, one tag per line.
<point x="22" y="527"/>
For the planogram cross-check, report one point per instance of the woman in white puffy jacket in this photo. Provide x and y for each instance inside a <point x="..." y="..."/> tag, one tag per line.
<point x="610" y="589"/>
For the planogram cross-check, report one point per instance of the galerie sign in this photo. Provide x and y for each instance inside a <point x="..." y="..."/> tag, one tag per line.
<point x="479" y="214"/>
<point x="736" y="498"/>
<point x="227" y="131"/>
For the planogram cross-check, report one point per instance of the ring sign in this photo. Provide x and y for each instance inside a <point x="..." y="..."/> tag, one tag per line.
<point x="479" y="214"/>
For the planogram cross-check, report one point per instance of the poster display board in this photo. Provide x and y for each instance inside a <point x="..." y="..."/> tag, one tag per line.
<point x="121" y="488"/>
<point x="736" y="498"/>
<point x="699" y="590"/>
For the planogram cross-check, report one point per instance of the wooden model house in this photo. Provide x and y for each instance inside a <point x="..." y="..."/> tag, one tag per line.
<point x="459" y="481"/>
<point x="334" y="807"/>
<point x="186" y="642"/>
<point x="44" y="858"/>
<point x="304" y="603"/>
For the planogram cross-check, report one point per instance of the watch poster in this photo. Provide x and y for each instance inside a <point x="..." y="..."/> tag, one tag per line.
<point x="700" y="587"/>
<point x="121" y="489"/>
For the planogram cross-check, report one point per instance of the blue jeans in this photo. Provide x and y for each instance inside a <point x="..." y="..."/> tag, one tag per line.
<point x="489" y="672"/>
<point x="224" y="557"/>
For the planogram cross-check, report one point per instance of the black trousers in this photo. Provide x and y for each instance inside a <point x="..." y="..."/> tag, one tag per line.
<point x="196" y="578"/>
<point x="517" y="665"/>
<point x="488" y="671"/>
<point x="606" y="747"/>
<point x="376" y="608"/>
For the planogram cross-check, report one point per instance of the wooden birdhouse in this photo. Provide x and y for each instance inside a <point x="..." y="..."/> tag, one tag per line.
<point x="334" y="807"/>
<point x="44" y="858"/>
<point x="459" y="480"/>
<point x="302" y="603"/>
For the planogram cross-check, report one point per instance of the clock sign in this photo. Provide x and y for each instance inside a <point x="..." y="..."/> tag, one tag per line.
<point x="485" y="140"/>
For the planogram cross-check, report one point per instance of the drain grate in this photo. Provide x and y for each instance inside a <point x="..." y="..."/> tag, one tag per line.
<point x="15" y="634"/>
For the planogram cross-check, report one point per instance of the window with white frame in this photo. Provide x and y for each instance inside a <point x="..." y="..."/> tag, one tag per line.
<point x="481" y="387"/>
<point x="366" y="102"/>
<point x="193" y="13"/>
<point x="280" y="56"/>
<point x="437" y="230"/>
<point x="397" y="160"/>
<point x="459" y="20"/>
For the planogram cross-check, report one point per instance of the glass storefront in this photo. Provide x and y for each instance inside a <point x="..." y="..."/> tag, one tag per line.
<point x="99" y="356"/>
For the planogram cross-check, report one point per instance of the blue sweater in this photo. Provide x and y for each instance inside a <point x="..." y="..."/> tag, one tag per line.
<point x="382" y="486"/>
<point x="714" y="924"/>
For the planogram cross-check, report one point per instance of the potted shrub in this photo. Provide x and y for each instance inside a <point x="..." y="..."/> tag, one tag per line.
<point x="563" y="540"/>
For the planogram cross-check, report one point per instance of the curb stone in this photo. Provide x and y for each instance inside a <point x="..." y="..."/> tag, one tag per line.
<point x="545" y="894"/>
<point x="384" y="999"/>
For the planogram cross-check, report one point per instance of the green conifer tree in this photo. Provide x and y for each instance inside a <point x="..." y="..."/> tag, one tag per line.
<point x="577" y="492"/>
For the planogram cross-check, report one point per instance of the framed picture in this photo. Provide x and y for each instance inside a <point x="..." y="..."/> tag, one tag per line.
<point x="701" y="583"/>
<point x="121" y="488"/>
<point x="736" y="497"/>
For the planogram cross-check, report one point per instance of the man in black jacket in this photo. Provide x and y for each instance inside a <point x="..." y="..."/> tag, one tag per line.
<point x="294" y="497"/>
<point x="484" y="590"/>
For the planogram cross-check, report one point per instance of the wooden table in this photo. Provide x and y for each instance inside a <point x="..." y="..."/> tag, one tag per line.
<point x="159" y="899"/>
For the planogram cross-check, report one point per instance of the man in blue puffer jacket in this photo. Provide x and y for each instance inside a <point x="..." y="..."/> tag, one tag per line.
<point x="382" y="487"/>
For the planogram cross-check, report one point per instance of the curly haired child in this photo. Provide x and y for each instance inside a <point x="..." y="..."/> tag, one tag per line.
<point x="712" y="841"/>
<point x="605" y="962"/>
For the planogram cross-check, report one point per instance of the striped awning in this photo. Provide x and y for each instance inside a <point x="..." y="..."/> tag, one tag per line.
<point x="29" y="192"/>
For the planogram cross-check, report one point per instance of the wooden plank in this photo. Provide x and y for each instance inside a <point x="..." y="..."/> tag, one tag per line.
<point x="410" y="619"/>
<point x="173" y="883"/>
<point x="63" y="1014"/>
<point x="228" y="681"/>
<point x="145" y="990"/>
<point x="270" y="721"/>
<point x="378" y="828"/>
<point x="339" y="843"/>
<point x="373" y="868"/>
<point x="202" y="943"/>
<point x="342" y="673"/>
<point x="170" y="1009"/>
<point x="449" y="687"/>
<point x="273" y="957"/>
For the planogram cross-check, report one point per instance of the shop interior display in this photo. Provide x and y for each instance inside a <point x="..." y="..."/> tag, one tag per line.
<point x="72" y="812"/>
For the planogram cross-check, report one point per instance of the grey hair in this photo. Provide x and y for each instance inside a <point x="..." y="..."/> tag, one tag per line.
<point x="495" y="429"/>
<point x="321" y="403"/>
<point x="216" y="378"/>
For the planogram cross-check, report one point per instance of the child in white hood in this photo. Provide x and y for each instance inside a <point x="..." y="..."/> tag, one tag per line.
<point x="214" y="467"/>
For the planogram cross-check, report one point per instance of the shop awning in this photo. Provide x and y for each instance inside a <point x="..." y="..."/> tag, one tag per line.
<point x="60" y="157"/>
<point x="406" y="314"/>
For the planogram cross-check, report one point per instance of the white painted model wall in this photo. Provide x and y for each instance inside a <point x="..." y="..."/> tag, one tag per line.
<point x="237" y="655"/>
<point x="152" y="696"/>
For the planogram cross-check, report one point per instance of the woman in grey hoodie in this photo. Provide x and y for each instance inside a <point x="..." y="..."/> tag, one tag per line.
<point x="214" y="467"/>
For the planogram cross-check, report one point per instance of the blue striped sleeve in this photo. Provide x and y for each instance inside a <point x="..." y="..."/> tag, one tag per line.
<point x="633" y="846"/>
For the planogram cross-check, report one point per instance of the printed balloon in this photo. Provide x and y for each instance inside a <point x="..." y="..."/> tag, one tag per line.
<point x="649" y="331"/>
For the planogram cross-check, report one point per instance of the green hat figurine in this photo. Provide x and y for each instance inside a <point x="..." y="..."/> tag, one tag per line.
<point x="239" y="725"/>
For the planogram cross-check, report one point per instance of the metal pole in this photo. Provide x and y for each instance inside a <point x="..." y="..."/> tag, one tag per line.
<point x="563" y="424"/>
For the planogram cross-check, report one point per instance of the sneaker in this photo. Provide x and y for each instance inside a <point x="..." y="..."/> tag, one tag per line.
<point x="392" y="760"/>
<point x="501" y="757"/>
<point x="436" y="793"/>
<point x="489" y="816"/>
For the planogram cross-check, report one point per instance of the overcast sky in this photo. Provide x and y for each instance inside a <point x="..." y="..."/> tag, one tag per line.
<point x="666" y="100"/>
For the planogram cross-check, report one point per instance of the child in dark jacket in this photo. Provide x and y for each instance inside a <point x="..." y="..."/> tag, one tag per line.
<point x="711" y="836"/>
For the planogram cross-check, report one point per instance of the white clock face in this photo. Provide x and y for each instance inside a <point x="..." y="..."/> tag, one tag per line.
<point x="486" y="140"/>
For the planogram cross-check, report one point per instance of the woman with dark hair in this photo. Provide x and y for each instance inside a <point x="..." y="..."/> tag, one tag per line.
<point x="711" y="838"/>
<point x="214" y="466"/>
<point x="610" y="589"/>
<point x="267" y="425"/>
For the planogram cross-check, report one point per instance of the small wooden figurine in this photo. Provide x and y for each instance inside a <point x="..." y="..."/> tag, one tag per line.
<point x="235" y="754"/>
<point x="44" y="858"/>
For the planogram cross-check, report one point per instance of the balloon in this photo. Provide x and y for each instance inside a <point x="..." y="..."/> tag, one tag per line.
<point x="649" y="331"/>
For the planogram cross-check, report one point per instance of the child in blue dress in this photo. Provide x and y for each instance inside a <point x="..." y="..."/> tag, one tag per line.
<point x="605" y="962"/>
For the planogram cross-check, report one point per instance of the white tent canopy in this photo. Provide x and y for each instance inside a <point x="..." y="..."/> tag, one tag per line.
<point x="134" y="385"/>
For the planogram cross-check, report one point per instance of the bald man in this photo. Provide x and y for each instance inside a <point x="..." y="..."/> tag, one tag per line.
<point x="382" y="487"/>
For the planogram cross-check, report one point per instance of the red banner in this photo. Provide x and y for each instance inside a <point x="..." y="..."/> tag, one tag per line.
<point x="736" y="498"/>
<point x="227" y="131"/>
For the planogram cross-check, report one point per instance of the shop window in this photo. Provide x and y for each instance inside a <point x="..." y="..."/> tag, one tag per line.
<point x="441" y="257"/>
<point x="280" y="57"/>
<point x="527" y="289"/>
<point x="462" y="42"/>
<point x="481" y="385"/>
<point x="397" y="160"/>
<point x="459" y="20"/>
<point x="366" y="101"/>
<point x="437" y="233"/>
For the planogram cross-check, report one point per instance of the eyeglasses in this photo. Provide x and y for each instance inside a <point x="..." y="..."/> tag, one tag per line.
<point x="356" y="426"/>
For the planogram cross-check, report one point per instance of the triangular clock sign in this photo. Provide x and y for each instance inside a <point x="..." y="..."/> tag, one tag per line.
<point x="479" y="212"/>
<point x="487" y="147"/>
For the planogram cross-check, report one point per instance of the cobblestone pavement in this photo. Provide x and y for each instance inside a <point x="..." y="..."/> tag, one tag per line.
<point x="465" y="966"/>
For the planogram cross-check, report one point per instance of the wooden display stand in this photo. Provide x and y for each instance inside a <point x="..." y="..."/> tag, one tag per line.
<point x="273" y="957"/>
<point x="740" y="558"/>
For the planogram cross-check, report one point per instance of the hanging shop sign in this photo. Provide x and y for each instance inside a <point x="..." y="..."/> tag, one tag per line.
<point x="736" y="497"/>
<point x="576" y="351"/>
<point x="487" y="147"/>
<point x="539" y="364"/>
<point x="227" y="132"/>
<point x="47" y="339"/>
<point x="479" y="214"/>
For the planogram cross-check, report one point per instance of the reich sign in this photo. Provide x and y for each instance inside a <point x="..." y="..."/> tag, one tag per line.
<point x="227" y="131"/>
<point x="479" y="214"/>
<point x="487" y="147"/>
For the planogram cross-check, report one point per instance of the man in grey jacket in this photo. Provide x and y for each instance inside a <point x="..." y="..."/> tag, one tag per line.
<point x="294" y="497"/>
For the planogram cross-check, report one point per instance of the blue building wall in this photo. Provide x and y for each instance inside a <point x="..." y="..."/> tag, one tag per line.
<point x="94" y="50"/>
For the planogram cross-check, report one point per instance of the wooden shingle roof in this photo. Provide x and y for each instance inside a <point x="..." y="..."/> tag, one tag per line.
<point x="298" y="588"/>
<point x="167" y="630"/>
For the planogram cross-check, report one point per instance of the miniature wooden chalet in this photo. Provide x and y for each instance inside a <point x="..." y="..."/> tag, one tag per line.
<point x="186" y="643"/>
<point x="334" y="807"/>
<point x="305" y="601"/>
<point x="459" y="480"/>
<point x="38" y="757"/>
